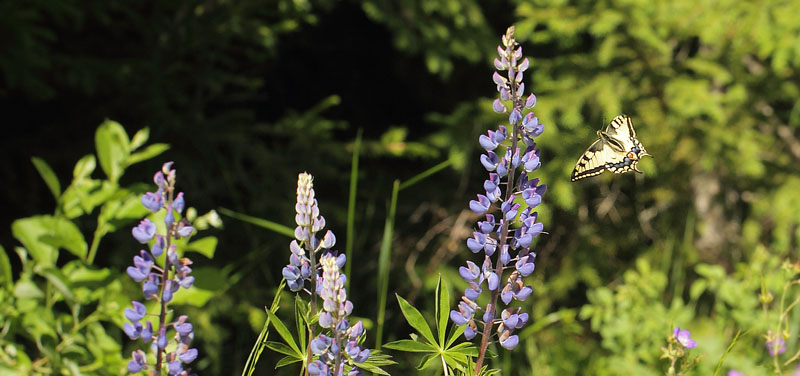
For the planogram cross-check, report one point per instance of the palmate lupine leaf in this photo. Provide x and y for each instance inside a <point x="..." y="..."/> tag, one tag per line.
<point x="439" y="347"/>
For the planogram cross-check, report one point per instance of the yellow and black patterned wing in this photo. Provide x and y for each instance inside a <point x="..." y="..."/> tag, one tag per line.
<point x="621" y="127"/>
<point x="596" y="159"/>
<point x="617" y="151"/>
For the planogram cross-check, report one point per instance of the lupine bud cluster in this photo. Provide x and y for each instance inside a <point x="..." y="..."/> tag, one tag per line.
<point x="336" y="351"/>
<point x="306" y="244"/>
<point x="505" y="234"/>
<point x="161" y="283"/>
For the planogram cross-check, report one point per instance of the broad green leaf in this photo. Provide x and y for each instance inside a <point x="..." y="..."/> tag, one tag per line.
<point x="113" y="148"/>
<point x="29" y="231"/>
<point x="57" y="279"/>
<point x="415" y="319"/>
<point x="204" y="246"/>
<point x="48" y="176"/>
<point x="283" y="331"/>
<point x="43" y="235"/>
<point x="148" y="153"/>
<point x="84" y="167"/>
<point x="6" y="278"/>
<point x="408" y="345"/>
<point x="140" y="138"/>
<point x="25" y="288"/>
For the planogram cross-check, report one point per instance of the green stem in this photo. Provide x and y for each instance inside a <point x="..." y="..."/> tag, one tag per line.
<point x="351" y="208"/>
<point x="383" y="263"/>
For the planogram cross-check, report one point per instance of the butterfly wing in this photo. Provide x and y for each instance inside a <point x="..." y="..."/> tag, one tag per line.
<point x="621" y="127"/>
<point x="612" y="152"/>
<point x="595" y="160"/>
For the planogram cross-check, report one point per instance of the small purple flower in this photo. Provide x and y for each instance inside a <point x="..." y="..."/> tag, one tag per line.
<point x="138" y="363"/>
<point x="778" y="343"/>
<point x="734" y="372"/>
<point x="682" y="336"/>
<point x="153" y="201"/>
<point x="188" y="356"/>
<point x="145" y="231"/>
<point x="136" y="313"/>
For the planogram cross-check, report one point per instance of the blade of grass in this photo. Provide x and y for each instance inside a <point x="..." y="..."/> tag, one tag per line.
<point x="385" y="255"/>
<point x="260" y="222"/>
<point x="258" y="348"/>
<point x="351" y="208"/>
<point x="384" y="258"/>
<point x="424" y="174"/>
<point x="725" y="355"/>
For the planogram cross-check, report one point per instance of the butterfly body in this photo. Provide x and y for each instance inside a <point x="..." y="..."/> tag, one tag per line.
<point x="617" y="150"/>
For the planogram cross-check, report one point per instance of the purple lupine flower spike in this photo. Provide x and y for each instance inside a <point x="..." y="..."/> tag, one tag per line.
<point x="510" y="195"/>
<point x="161" y="282"/>
<point x="339" y="343"/>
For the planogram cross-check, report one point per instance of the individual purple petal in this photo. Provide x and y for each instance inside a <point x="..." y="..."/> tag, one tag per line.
<point x="329" y="240"/>
<point x="161" y="342"/>
<point x="523" y="66"/>
<point x="184" y="228"/>
<point x="509" y="342"/>
<point x="531" y="101"/>
<point x="499" y="107"/>
<point x="498" y="79"/>
<point x="524" y="293"/>
<point x="178" y="204"/>
<point x="514" y="117"/>
<point x="481" y="205"/>
<point x="132" y="330"/>
<point x="457" y="318"/>
<point x="174" y="367"/>
<point x="145" y="231"/>
<point x="135" y="314"/>
<point x="147" y="332"/>
<point x="184" y="329"/>
<point x="152" y="201"/>
<point x="362" y="356"/>
<point x="493" y="281"/>
<point x="189" y="356"/>
<point x="136" y="274"/>
<point x="166" y="296"/>
<point x="469" y="332"/>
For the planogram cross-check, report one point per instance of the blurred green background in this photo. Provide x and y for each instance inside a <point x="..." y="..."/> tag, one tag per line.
<point x="250" y="93"/>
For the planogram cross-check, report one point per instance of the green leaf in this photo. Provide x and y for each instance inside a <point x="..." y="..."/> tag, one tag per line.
<point x="283" y="331"/>
<point x="84" y="167"/>
<point x="48" y="176"/>
<point x="57" y="279"/>
<point x="282" y="348"/>
<point x="427" y="361"/>
<point x="408" y="345"/>
<point x="113" y="148"/>
<point x="258" y="347"/>
<point x="415" y="319"/>
<point x="286" y="361"/>
<point x="727" y="351"/>
<point x="43" y="235"/>
<point x="457" y="332"/>
<point x="6" y="278"/>
<point x="269" y="225"/>
<point x="205" y="246"/>
<point x="28" y="231"/>
<point x="140" y="138"/>
<point x="300" y="320"/>
<point x="26" y="289"/>
<point x="442" y="308"/>
<point x="148" y="153"/>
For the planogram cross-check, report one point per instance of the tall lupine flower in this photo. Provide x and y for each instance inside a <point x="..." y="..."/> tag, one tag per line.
<point x="336" y="351"/>
<point x="161" y="283"/>
<point x="304" y="248"/>
<point x="505" y="235"/>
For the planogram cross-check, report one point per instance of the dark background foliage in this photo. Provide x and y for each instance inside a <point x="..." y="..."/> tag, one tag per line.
<point x="249" y="93"/>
